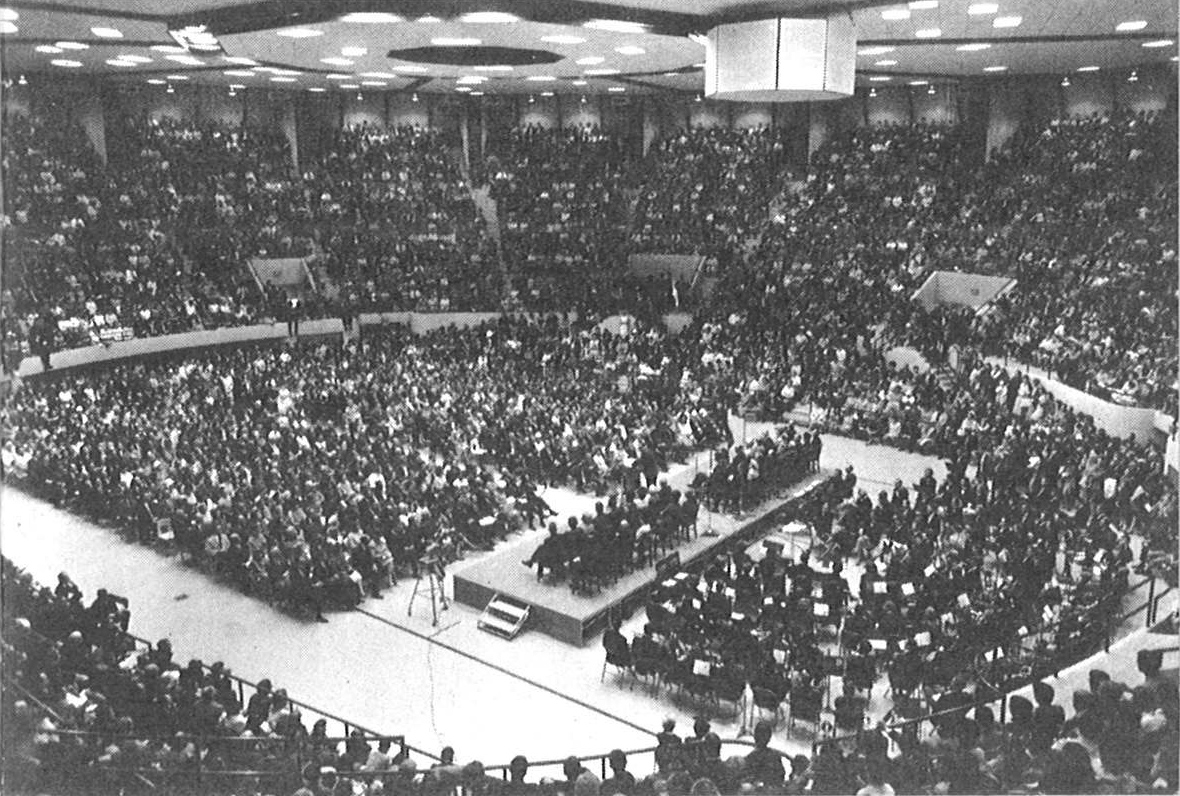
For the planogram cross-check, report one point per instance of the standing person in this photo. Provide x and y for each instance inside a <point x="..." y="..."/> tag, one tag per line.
<point x="42" y="339"/>
<point x="293" y="307"/>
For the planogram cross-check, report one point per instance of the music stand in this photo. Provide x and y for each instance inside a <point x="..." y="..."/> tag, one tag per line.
<point x="432" y="566"/>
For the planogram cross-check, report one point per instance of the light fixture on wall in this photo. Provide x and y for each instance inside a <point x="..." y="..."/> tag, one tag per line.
<point x="872" y="93"/>
<point x="170" y="89"/>
<point x="698" y="98"/>
<point x="360" y="97"/>
<point x="931" y="90"/>
<point x="583" y="96"/>
<point x="1133" y="77"/>
<point x="414" y="97"/>
<point x="21" y="81"/>
<point x="233" y="92"/>
<point x="1065" y="82"/>
<point x="532" y="99"/>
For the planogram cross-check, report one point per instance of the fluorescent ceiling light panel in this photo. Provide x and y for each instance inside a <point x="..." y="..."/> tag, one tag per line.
<point x="995" y="69"/>
<point x="71" y="45"/>
<point x="880" y="78"/>
<point x="371" y="18"/>
<point x="1159" y="43"/>
<point x="282" y="79"/>
<point x="1131" y="25"/>
<point x="238" y="73"/>
<point x="374" y="83"/>
<point x="107" y="33"/>
<point x="1088" y="68"/>
<point x="241" y="60"/>
<point x="590" y="60"/>
<point x="880" y="50"/>
<point x="168" y="48"/>
<point x="615" y="26"/>
<point x="563" y="38"/>
<point x="616" y="89"/>
<point x="1007" y="22"/>
<point x="122" y="63"/>
<point x="66" y="63"/>
<point x="928" y="33"/>
<point x="981" y="9"/>
<point x="886" y="62"/>
<point x="974" y="47"/>
<point x="317" y="89"/>
<point x="299" y="33"/>
<point x="354" y="52"/>
<point x="48" y="49"/>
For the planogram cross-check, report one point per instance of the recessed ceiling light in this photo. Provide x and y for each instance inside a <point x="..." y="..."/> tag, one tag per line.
<point x="1007" y="22"/>
<point x="894" y="14"/>
<point x="874" y="50"/>
<point x="880" y="78"/>
<point x="599" y="72"/>
<point x="477" y="93"/>
<point x="168" y="48"/>
<point x="408" y="68"/>
<point x="974" y="47"/>
<point x="354" y="52"/>
<point x="236" y="86"/>
<point x="922" y="5"/>
<point x="66" y="63"/>
<point x="284" y="72"/>
<point x="630" y="49"/>
<point x="886" y="62"/>
<point x="590" y="60"/>
<point x="546" y="93"/>
<point x="1159" y="43"/>
<point x="241" y="60"/>
<point x="489" y="18"/>
<point x="919" y="82"/>
<point x="187" y="60"/>
<point x="121" y="62"/>
<point x="375" y="83"/>
<point x="563" y="38"/>
<point x="579" y="83"/>
<point x="1088" y="68"/>
<point x="350" y="85"/>
<point x="135" y="59"/>
<point x="429" y="19"/>
<point x="1174" y="58"/>
<point x="979" y="9"/>
<point x="471" y="79"/>
<point x="299" y="33"/>
<point x="371" y="17"/>
<point x="1130" y="25"/>
<point x="995" y="69"/>
<point x="455" y="41"/>
<point x="71" y="45"/>
<point x="338" y="76"/>
<point x="540" y="78"/>
<point x="317" y="89"/>
<point x="462" y="88"/>
<point x="377" y="75"/>
<point x="336" y="60"/>
<point x="492" y="68"/>
<point x="282" y="79"/>
<point x="615" y="25"/>
<point x="107" y="33"/>
<point x="177" y="77"/>
<point x="8" y="15"/>
<point x="928" y="33"/>
<point x="48" y="49"/>
<point x="238" y="73"/>
<point x="156" y="81"/>
<point x="616" y="89"/>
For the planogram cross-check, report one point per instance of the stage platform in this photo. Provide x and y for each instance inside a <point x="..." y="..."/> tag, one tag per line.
<point x="576" y="619"/>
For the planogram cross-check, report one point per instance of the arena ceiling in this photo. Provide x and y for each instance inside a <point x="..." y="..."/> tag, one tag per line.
<point x="564" y="46"/>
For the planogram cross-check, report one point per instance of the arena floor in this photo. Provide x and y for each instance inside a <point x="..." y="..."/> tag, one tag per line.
<point x="450" y="685"/>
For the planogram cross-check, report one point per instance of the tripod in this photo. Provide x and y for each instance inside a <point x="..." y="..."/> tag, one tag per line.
<point x="435" y="575"/>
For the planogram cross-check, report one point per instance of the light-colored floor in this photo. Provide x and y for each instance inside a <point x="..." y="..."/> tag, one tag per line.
<point x="451" y="685"/>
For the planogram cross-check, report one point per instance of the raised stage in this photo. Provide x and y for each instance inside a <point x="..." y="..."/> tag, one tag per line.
<point x="574" y="618"/>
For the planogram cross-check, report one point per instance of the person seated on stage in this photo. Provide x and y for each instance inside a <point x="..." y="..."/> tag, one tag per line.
<point x="550" y="554"/>
<point x="764" y="767"/>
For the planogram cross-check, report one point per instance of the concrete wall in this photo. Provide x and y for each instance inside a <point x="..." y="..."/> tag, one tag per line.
<point x="708" y="114"/>
<point x="746" y="115"/>
<point x="539" y="112"/>
<point x="580" y="111"/>
<point x="890" y="106"/>
<point x="368" y="110"/>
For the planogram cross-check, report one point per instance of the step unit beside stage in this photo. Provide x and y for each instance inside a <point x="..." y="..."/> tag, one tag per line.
<point x="576" y="619"/>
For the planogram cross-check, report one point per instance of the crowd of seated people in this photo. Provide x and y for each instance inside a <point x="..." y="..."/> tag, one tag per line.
<point x="755" y="471"/>
<point x="705" y="190"/>
<point x="315" y="474"/>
